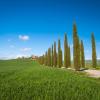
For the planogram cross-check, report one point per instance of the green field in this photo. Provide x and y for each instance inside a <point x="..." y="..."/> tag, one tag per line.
<point x="27" y="80"/>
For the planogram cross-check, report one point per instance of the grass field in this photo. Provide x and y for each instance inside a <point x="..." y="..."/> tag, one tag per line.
<point x="27" y="80"/>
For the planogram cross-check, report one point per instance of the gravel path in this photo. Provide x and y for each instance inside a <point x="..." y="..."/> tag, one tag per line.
<point x="93" y="73"/>
<point x="90" y="72"/>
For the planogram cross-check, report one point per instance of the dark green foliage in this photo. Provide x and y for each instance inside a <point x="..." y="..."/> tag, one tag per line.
<point x="65" y="51"/>
<point x="82" y="55"/>
<point x="94" y="57"/>
<point x="69" y="57"/>
<point x="55" y="55"/>
<point x="49" y="57"/>
<point x="78" y="53"/>
<point x="41" y="60"/>
<point x="76" y="48"/>
<point x="59" y="54"/>
<point x="46" y="59"/>
<point x="52" y="59"/>
<point x="74" y="45"/>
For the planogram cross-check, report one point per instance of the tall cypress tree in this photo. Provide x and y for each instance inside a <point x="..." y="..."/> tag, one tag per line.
<point x="55" y="55"/>
<point x="82" y="55"/>
<point x="58" y="57"/>
<point x="59" y="54"/>
<point x="46" y="58"/>
<point x="74" y="45"/>
<point x="69" y="57"/>
<point x="46" y="61"/>
<point x="65" y="51"/>
<point x="52" y="59"/>
<point x="94" y="57"/>
<point x="61" y="61"/>
<point x="76" y="48"/>
<point x="49" y="57"/>
<point x="43" y="59"/>
<point x="78" y="53"/>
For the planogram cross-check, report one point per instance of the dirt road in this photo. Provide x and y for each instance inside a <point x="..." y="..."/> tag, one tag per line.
<point x="93" y="73"/>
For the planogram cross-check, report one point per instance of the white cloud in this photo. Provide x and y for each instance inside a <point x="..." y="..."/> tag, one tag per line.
<point x="24" y="37"/>
<point x="25" y="49"/>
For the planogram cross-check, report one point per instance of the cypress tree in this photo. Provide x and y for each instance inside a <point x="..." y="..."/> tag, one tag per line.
<point x="43" y="60"/>
<point x="76" y="48"/>
<point x="38" y="60"/>
<point x="46" y="58"/>
<point x="82" y="55"/>
<point x="74" y="45"/>
<point x="94" y="57"/>
<point x="59" y="54"/>
<point x="61" y="61"/>
<point x="52" y="59"/>
<point x="49" y="57"/>
<point x="65" y="51"/>
<point x="55" y="55"/>
<point x="69" y="57"/>
<point x="46" y="61"/>
<point x="78" y="53"/>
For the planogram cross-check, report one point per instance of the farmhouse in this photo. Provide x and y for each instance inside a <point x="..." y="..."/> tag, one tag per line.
<point x="34" y="57"/>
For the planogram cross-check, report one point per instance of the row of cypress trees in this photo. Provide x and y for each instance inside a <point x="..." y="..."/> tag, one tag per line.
<point x="55" y="58"/>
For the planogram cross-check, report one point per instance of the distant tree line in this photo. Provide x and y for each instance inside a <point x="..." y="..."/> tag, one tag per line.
<point x="54" y="57"/>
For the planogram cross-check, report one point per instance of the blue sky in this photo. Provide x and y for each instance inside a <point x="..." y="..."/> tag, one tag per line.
<point x="31" y="26"/>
